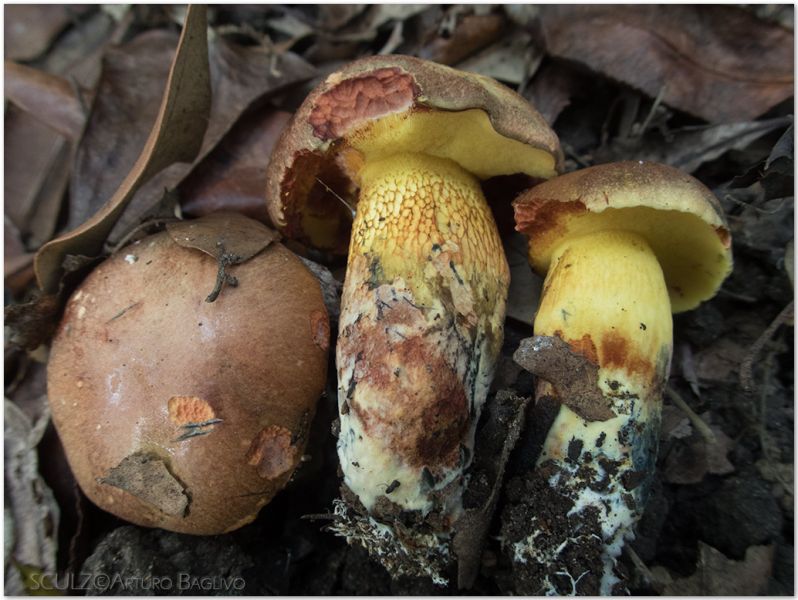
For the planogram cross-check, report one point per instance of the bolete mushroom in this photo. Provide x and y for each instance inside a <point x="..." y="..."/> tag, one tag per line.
<point x="623" y="245"/>
<point x="403" y="143"/>
<point x="180" y="413"/>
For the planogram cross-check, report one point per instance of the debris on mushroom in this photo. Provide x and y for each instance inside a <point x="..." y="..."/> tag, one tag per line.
<point x="184" y="414"/>
<point x="403" y="143"/>
<point x="622" y="246"/>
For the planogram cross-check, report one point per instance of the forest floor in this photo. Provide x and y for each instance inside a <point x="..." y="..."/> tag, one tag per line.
<point x="673" y="84"/>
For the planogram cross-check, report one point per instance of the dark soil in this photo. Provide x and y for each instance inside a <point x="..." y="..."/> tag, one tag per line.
<point x="734" y="357"/>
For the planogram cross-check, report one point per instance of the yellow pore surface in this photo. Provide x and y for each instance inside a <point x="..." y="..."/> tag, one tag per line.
<point x="413" y="208"/>
<point x="467" y="137"/>
<point x="691" y="253"/>
<point x="605" y="294"/>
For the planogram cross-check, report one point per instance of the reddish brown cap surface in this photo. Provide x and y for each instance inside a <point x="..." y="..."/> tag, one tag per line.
<point x="679" y="217"/>
<point x="314" y="160"/>
<point x="183" y="414"/>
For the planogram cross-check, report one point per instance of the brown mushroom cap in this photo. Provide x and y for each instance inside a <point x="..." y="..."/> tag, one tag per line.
<point x="679" y="217"/>
<point x="391" y="104"/>
<point x="183" y="414"/>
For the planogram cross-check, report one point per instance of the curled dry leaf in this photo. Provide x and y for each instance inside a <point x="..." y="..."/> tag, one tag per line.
<point x="690" y="147"/>
<point x="176" y="136"/>
<point x="31" y="510"/>
<point x="694" y="53"/>
<point x="239" y="77"/>
<point x="223" y="233"/>
<point x="49" y="98"/>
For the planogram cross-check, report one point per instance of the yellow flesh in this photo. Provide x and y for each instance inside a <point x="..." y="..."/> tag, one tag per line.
<point x="691" y="255"/>
<point x="609" y="286"/>
<point x="467" y="137"/>
<point x="410" y="202"/>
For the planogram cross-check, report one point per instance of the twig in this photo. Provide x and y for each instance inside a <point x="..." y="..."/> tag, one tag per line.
<point x="697" y="421"/>
<point x="747" y="366"/>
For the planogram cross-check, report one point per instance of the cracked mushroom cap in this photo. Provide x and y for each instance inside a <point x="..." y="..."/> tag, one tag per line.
<point x="379" y="106"/>
<point x="179" y="413"/>
<point x="678" y="216"/>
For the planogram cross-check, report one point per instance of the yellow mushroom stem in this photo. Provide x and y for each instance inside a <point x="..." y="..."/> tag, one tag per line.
<point x="421" y="327"/>
<point x="605" y="296"/>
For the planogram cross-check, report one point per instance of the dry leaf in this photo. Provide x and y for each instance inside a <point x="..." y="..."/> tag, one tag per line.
<point x="471" y="33"/>
<point x="176" y="136"/>
<point x="31" y="511"/>
<point x="223" y="233"/>
<point x="674" y="424"/>
<point x="693" y="458"/>
<point x="240" y="76"/>
<point x="717" y="575"/>
<point x="233" y="176"/>
<point x="49" y="98"/>
<point x="551" y="89"/>
<point x="29" y="29"/>
<point x="690" y="147"/>
<point x="37" y="161"/>
<point x="513" y="59"/>
<point x="719" y="63"/>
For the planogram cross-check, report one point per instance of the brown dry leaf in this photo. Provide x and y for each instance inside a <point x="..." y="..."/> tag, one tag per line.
<point x="30" y="29"/>
<point x="230" y="238"/>
<point x="37" y="160"/>
<point x="49" y="98"/>
<point x="233" y="175"/>
<point x="470" y="34"/>
<point x="126" y="105"/>
<point x="696" y="53"/>
<point x="176" y="136"/>
<point x="693" y="457"/>
<point x="240" y="76"/>
<point x="223" y="233"/>
<point x="717" y="575"/>
<point x="17" y="263"/>
<point x="552" y="88"/>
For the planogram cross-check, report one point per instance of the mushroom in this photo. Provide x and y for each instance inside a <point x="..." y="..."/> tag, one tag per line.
<point x="622" y="246"/>
<point x="403" y="143"/>
<point x="184" y="414"/>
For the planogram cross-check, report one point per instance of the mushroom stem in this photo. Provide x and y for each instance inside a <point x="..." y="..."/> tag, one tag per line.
<point x="421" y="328"/>
<point x="605" y="296"/>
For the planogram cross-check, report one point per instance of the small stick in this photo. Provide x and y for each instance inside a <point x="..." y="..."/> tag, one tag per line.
<point x="747" y="366"/>
<point x="697" y="421"/>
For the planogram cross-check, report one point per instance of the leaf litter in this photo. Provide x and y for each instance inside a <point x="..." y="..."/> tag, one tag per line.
<point x="654" y="83"/>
